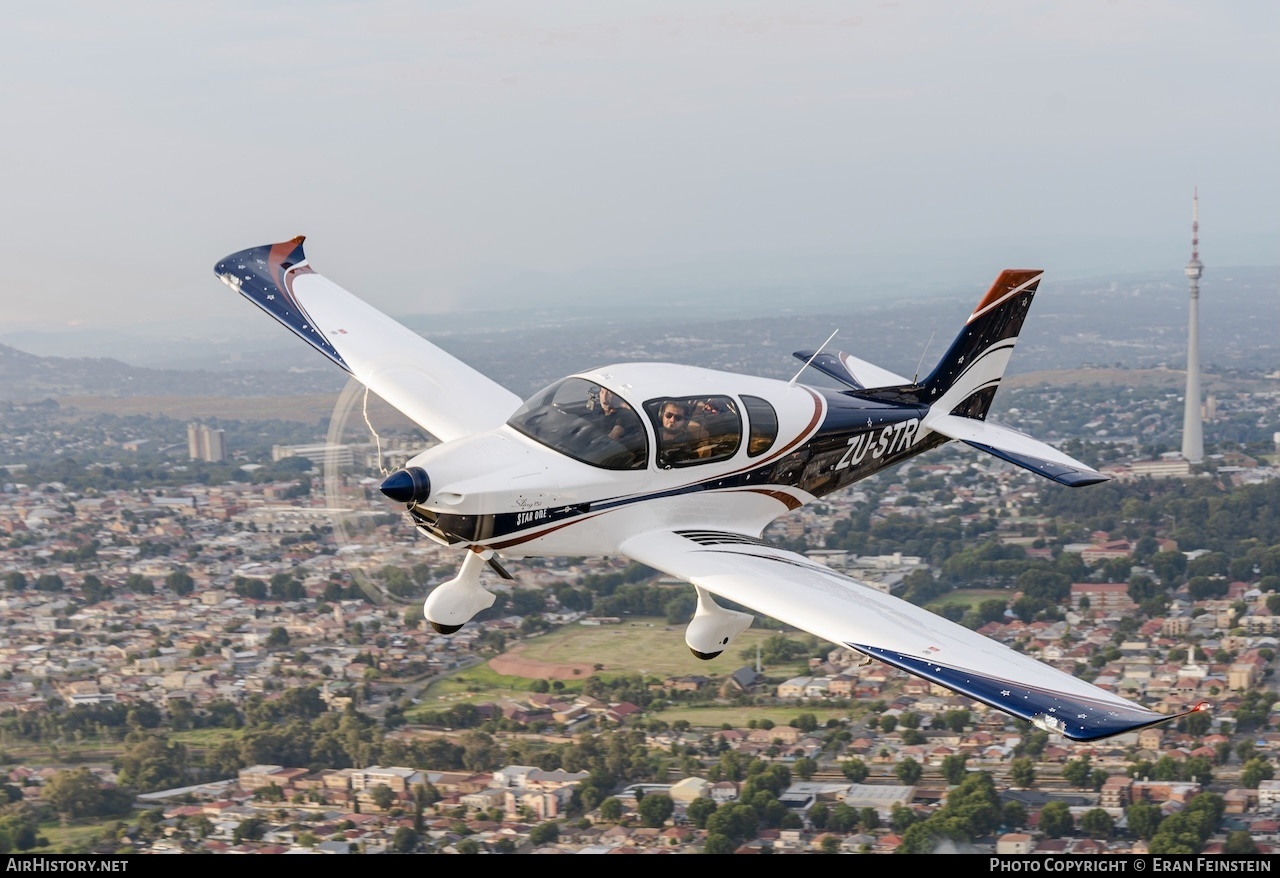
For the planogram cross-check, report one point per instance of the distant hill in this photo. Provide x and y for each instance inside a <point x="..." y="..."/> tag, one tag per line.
<point x="1137" y="323"/>
<point x="26" y="377"/>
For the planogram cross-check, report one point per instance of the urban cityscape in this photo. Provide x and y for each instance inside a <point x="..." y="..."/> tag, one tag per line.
<point x="213" y="643"/>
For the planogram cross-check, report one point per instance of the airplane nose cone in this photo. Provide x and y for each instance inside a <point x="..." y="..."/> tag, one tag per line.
<point x="407" y="485"/>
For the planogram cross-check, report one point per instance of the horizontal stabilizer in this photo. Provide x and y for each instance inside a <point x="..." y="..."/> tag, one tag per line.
<point x="849" y="370"/>
<point x="1017" y="448"/>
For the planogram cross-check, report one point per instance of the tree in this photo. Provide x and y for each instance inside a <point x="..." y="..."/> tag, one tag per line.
<point x="908" y="771"/>
<point x="819" y="815"/>
<point x="49" y="582"/>
<point x="805" y="767"/>
<point x="699" y="810"/>
<point x="1077" y="771"/>
<point x="19" y="828"/>
<point x="854" y="769"/>
<point x="1143" y="819"/>
<point x="180" y="583"/>
<point x="1055" y="820"/>
<point x="901" y="818"/>
<point x="278" y="638"/>
<point x="1014" y="814"/>
<point x="251" y="829"/>
<point x="76" y="793"/>
<point x="912" y="737"/>
<point x="956" y="720"/>
<point x="1187" y="831"/>
<point x="1202" y="588"/>
<point x="1045" y="585"/>
<point x="953" y="768"/>
<point x="544" y="833"/>
<point x="1097" y="823"/>
<point x="1240" y="842"/>
<point x="1255" y="771"/>
<point x="139" y="584"/>
<point x="1197" y="768"/>
<point x="383" y="796"/>
<point x="1022" y="772"/>
<point x="1169" y="566"/>
<point x="1143" y="588"/>
<point x="611" y="809"/>
<point x="737" y="821"/>
<point x="152" y="763"/>
<point x="805" y="722"/>
<point x="93" y="589"/>
<point x="269" y="793"/>
<point x="654" y="810"/>
<point x="1197" y="724"/>
<point x="718" y="843"/>
<point x="405" y="840"/>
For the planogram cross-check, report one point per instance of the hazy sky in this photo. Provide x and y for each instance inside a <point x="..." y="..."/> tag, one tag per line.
<point x="456" y="155"/>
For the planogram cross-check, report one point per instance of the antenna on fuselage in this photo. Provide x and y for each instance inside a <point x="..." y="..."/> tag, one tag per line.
<point x="815" y="353"/>
<point x="915" y="379"/>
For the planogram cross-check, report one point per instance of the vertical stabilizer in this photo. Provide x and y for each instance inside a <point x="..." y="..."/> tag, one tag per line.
<point x="964" y="382"/>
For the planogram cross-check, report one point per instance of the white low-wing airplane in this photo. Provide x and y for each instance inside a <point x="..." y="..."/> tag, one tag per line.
<point x="681" y="468"/>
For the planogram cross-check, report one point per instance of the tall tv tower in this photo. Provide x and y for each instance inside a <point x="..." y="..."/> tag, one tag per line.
<point x="1192" y="429"/>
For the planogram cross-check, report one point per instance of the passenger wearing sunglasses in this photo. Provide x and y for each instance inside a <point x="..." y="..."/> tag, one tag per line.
<point x="679" y="439"/>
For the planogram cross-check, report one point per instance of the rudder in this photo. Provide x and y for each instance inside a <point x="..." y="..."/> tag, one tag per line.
<point x="966" y="378"/>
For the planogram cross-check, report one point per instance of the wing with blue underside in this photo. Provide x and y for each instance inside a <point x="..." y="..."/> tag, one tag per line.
<point x="809" y="596"/>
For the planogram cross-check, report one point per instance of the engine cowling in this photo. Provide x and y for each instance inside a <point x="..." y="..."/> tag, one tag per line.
<point x="713" y="627"/>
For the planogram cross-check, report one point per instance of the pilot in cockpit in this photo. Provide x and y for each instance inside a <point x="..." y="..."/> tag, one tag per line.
<point x="618" y="422"/>
<point x="679" y="438"/>
<point x="616" y="417"/>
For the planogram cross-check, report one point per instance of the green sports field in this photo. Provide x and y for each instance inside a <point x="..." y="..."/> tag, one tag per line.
<point x="649" y="646"/>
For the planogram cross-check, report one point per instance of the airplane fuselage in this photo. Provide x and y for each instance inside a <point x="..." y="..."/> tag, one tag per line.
<point x="781" y="446"/>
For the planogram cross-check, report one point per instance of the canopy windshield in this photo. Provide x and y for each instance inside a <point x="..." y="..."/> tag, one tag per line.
<point x="587" y="422"/>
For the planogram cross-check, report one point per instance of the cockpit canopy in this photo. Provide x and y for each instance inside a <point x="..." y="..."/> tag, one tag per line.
<point x="587" y="422"/>
<point x="591" y="423"/>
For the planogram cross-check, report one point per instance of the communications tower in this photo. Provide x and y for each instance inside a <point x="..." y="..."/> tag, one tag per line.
<point x="1192" y="429"/>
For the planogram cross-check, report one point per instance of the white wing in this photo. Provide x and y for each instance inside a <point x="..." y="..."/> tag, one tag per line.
<point x="435" y="390"/>
<point x="799" y="592"/>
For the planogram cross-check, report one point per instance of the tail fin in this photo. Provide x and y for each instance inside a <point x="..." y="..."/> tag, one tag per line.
<point x="965" y="381"/>
<point x="961" y="387"/>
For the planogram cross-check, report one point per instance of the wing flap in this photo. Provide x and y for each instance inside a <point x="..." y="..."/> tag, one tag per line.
<point x="434" y="389"/>
<point x="807" y="595"/>
<point x="1017" y="448"/>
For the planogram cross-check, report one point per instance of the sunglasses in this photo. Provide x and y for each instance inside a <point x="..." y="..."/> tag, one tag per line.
<point x="675" y="416"/>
